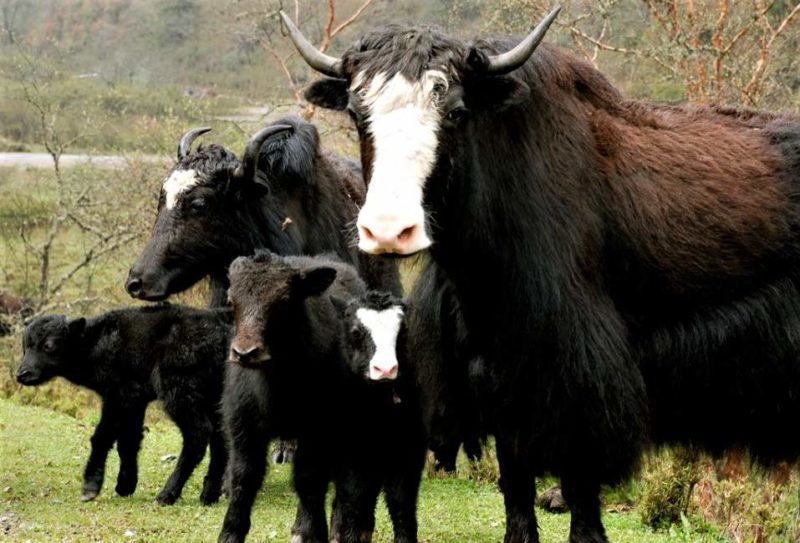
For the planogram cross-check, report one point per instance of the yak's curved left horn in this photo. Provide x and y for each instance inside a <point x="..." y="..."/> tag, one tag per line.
<point x="325" y="64"/>
<point x="247" y="168"/>
<point x="188" y="138"/>
<point x="511" y="60"/>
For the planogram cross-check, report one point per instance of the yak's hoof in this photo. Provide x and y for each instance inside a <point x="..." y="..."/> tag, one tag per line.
<point x="125" y="487"/>
<point x="89" y="494"/>
<point x="552" y="501"/>
<point x="166" y="498"/>
<point x="209" y="497"/>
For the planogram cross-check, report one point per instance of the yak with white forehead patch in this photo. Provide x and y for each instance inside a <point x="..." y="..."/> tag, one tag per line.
<point x="628" y="271"/>
<point x="286" y="194"/>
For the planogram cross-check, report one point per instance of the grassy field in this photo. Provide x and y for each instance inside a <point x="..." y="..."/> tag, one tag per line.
<point x="42" y="454"/>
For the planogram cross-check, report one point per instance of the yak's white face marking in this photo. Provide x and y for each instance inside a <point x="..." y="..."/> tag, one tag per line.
<point x="403" y="119"/>
<point x="177" y="183"/>
<point x="383" y="328"/>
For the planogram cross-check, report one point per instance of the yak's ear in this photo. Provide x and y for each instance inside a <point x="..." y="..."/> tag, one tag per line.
<point x="76" y="327"/>
<point x="313" y="282"/>
<point x="495" y="92"/>
<point x="329" y="93"/>
<point x="498" y="93"/>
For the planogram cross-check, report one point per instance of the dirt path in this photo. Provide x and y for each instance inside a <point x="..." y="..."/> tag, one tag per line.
<point x="44" y="160"/>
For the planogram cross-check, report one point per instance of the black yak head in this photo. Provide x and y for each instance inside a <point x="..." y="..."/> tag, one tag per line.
<point x="374" y="329"/>
<point x="419" y="100"/>
<point x="49" y="347"/>
<point x="268" y="292"/>
<point x="214" y="207"/>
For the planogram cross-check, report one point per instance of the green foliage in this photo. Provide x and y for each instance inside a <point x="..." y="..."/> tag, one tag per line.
<point x="667" y="489"/>
<point x="43" y="454"/>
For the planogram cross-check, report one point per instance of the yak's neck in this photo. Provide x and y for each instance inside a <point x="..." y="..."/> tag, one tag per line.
<point x="505" y="235"/>
<point x="86" y="364"/>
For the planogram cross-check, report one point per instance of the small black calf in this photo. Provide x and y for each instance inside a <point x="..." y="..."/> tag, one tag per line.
<point x="380" y="426"/>
<point x="131" y="357"/>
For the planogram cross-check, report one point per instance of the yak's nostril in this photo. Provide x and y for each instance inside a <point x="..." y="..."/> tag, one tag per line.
<point x="23" y="375"/>
<point x="366" y="232"/>
<point x="134" y="287"/>
<point x="244" y="353"/>
<point x="406" y="233"/>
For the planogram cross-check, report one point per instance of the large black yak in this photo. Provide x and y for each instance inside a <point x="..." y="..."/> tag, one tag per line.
<point x="627" y="271"/>
<point x="286" y="194"/>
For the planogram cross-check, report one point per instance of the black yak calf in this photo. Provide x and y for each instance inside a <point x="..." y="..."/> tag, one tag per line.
<point x="292" y="341"/>
<point x="131" y="357"/>
<point x="380" y="423"/>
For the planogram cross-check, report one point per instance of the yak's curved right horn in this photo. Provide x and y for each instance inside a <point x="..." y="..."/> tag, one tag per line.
<point x="325" y="64"/>
<point x="247" y="168"/>
<point x="188" y="138"/>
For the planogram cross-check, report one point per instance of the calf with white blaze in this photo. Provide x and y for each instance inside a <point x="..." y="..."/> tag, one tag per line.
<point x="131" y="357"/>
<point x="629" y="272"/>
<point x="380" y="424"/>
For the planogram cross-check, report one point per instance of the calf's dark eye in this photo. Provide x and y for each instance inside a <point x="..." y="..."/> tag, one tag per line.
<point x="49" y="347"/>
<point x="198" y="204"/>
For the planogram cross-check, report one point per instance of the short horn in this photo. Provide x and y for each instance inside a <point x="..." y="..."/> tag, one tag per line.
<point x="325" y="64"/>
<point x="247" y="169"/>
<point x="511" y="60"/>
<point x="187" y="140"/>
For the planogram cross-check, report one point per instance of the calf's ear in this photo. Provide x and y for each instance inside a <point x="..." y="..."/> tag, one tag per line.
<point x="76" y="327"/>
<point x="313" y="282"/>
<point x="329" y="93"/>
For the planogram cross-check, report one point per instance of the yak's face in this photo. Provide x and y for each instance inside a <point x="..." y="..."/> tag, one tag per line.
<point x="266" y="291"/>
<point x="414" y="114"/>
<point x="195" y="229"/>
<point x="46" y="347"/>
<point x="420" y="101"/>
<point x="373" y="326"/>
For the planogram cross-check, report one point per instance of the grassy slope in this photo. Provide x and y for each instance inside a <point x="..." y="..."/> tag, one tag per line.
<point x="41" y="459"/>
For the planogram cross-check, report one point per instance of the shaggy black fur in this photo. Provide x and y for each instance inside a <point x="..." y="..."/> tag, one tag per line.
<point x="303" y="200"/>
<point x="291" y="342"/>
<point x="444" y="362"/>
<point x="627" y="271"/>
<point x="381" y="433"/>
<point x="131" y="357"/>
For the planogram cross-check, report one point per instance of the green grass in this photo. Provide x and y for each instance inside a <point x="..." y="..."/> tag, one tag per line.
<point x="42" y="454"/>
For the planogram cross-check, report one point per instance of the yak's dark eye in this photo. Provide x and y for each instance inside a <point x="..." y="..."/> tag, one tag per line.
<point x="49" y="346"/>
<point x="456" y="114"/>
<point x="198" y="204"/>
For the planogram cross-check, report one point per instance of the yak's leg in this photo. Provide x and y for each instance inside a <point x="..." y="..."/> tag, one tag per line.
<point x="245" y="419"/>
<point x="518" y="483"/>
<point x="102" y="440"/>
<point x="445" y="455"/>
<point x="218" y="453"/>
<point x="583" y="499"/>
<point x="195" y="431"/>
<point x="401" y="491"/>
<point x="128" y="444"/>
<point x="353" y="519"/>
<point x="311" y="477"/>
